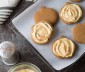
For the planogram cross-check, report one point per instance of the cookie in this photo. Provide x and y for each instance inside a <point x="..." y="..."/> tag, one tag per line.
<point x="79" y="33"/>
<point x="63" y="48"/>
<point x="42" y="32"/>
<point x="76" y="0"/>
<point x="70" y="13"/>
<point x="47" y="15"/>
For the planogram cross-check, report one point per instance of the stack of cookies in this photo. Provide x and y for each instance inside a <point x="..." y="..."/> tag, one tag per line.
<point x="45" y="18"/>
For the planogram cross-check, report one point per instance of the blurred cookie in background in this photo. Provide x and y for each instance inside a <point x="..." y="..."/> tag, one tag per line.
<point x="76" y="0"/>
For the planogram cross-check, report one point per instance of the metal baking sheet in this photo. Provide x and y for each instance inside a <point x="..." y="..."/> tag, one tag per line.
<point x="24" y="21"/>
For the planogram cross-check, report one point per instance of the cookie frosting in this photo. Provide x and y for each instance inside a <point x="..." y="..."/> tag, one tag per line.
<point x="71" y="13"/>
<point x="42" y="32"/>
<point x="63" y="48"/>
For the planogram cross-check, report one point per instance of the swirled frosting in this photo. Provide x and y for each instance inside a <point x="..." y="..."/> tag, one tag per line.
<point x="63" y="48"/>
<point x="42" y="32"/>
<point x="71" y="13"/>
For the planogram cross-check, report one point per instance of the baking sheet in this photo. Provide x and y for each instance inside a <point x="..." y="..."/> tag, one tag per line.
<point x="24" y="22"/>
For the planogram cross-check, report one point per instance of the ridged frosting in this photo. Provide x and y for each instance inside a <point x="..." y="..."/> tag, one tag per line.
<point x="71" y="13"/>
<point x="42" y="32"/>
<point x="63" y="48"/>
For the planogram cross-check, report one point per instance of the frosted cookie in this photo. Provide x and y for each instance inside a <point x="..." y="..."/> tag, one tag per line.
<point x="63" y="48"/>
<point x="42" y="32"/>
<point x="47" y="15"/>
<point x="71" y="13"/>
<point x="79" y="33"/>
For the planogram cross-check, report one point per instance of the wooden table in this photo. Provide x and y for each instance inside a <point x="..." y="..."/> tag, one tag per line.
<point x="27" y="54"/>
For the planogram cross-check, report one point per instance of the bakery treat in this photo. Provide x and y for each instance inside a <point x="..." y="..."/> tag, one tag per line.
<point x="76" y="0"/>
<point x="70" y="13"/>
<point x="63" y="48"/>
<point x="47" y="15"/>
<point x="79" y="33"/>
<point x="42" y="32"/>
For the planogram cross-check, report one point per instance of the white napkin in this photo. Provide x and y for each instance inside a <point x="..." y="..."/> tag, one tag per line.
<point x="6" y="8"/>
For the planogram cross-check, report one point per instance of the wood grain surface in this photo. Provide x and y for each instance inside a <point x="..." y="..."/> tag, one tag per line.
<point x="9" y="33"/>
